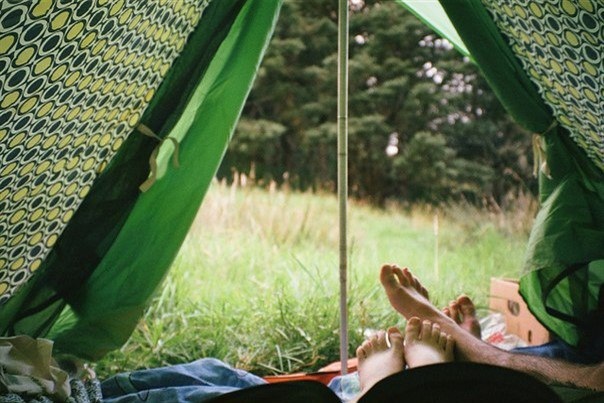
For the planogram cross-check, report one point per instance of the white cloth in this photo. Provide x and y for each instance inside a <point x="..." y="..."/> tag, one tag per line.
<point x="27" y="367"/>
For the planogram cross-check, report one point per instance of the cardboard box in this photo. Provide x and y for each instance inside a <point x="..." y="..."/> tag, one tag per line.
<point x="504" y="298"/>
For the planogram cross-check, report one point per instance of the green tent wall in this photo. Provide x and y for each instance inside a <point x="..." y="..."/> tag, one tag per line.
<point x="541" y="59"/>
<point x="96" y="280"/>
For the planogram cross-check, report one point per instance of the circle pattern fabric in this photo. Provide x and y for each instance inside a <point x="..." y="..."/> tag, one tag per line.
<point x="75" y="78"/>
<point x="560" y="44"/>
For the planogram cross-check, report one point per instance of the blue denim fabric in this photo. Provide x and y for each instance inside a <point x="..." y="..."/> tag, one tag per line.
<point x="194" y="382"/>
<point x="346" y="387"/>
<point x="553" y="349"/>
<point x="560" y="350"/>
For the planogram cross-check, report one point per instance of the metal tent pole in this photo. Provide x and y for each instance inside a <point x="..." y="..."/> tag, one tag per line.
<point x="343" y="174"/>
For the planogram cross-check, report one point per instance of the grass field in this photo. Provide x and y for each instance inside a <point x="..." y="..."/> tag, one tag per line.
<point x="256" y="281"/>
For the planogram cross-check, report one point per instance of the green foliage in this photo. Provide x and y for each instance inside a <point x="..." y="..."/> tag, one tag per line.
<point x="256" y="281"/>
<point x="368" y="168"/>
<point x="257" y="148"/>
<point x="402" y="79"/>
<point x="426" y="166"/>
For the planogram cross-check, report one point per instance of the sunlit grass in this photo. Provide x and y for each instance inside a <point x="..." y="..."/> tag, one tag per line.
<point x="256" y="282"/>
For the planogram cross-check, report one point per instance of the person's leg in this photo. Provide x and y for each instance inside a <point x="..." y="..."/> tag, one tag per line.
<point x="556" y="349"/>
<point x="463" y="312"/>
<point x="193" y="381"/>
<point x="402" y="292"/>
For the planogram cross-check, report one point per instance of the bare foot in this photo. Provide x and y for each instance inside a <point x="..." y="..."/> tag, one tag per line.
<point x="405" y="292"/>
<point x="463" y="312"/>
<point x="377" y="360"/>
<point x="426" y="344"/>
<point x="409" y="302"/>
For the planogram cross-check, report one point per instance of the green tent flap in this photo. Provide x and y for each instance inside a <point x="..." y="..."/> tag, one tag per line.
<point x="564" y="270"/>
<point x="161" y="217"/>
<point x="498" y="64"/>
<point x="540" y="59"/>
<point x="97" y="220"/>
<point x="433" y="15"/>
<point x="92" y="288"/>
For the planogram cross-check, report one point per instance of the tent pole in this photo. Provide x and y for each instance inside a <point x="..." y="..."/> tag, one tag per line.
<point x="343" y="174"/>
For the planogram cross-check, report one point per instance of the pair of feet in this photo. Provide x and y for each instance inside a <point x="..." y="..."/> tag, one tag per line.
<point x="388" y="352"/>
<point x="424" y="342"/>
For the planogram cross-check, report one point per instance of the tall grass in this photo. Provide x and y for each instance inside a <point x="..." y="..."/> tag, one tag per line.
<point x="256" y="281"/>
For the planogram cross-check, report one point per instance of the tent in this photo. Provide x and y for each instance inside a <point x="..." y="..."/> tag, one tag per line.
<point x="544" y="63"/>
<point x="90" y="90"/>
<point x="115" y="115"/>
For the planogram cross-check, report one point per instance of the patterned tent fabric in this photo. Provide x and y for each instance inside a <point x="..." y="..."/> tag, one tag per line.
<point x="82" y="250"/>
<point x="75" y="78"/>
<point x="543" y="60"/>
<point x="560" y="45"/>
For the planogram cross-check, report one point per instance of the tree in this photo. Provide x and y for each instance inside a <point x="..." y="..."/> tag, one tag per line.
<point x="409" y="91"/>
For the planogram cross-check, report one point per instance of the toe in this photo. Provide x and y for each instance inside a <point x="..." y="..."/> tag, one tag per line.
<point x="400" y="275"/>
<point x="435" y="333"/>
<point x="361" y="354"/>
<point x="396" y="340"/>
<point x="388" y="277"/>
<point x="408" y="276"/>
<point x="454" y="309"/>
<point x="380" y="340"/>
<point x="449" y="348"/>
<point x="412" y="330"/>
<point x="424" y="292"/>
<point x="442" y="341"/>
<point x="426" y="331"/>
<point x="466" y="305"/>
<point x="416" y="284"/>
<point x="367" y="346"/>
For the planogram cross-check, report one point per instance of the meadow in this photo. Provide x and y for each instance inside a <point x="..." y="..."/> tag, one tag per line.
<point x="256" y="281"/>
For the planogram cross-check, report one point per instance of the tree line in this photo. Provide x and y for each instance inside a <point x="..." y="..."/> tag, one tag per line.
<point x="423" y="124"/>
